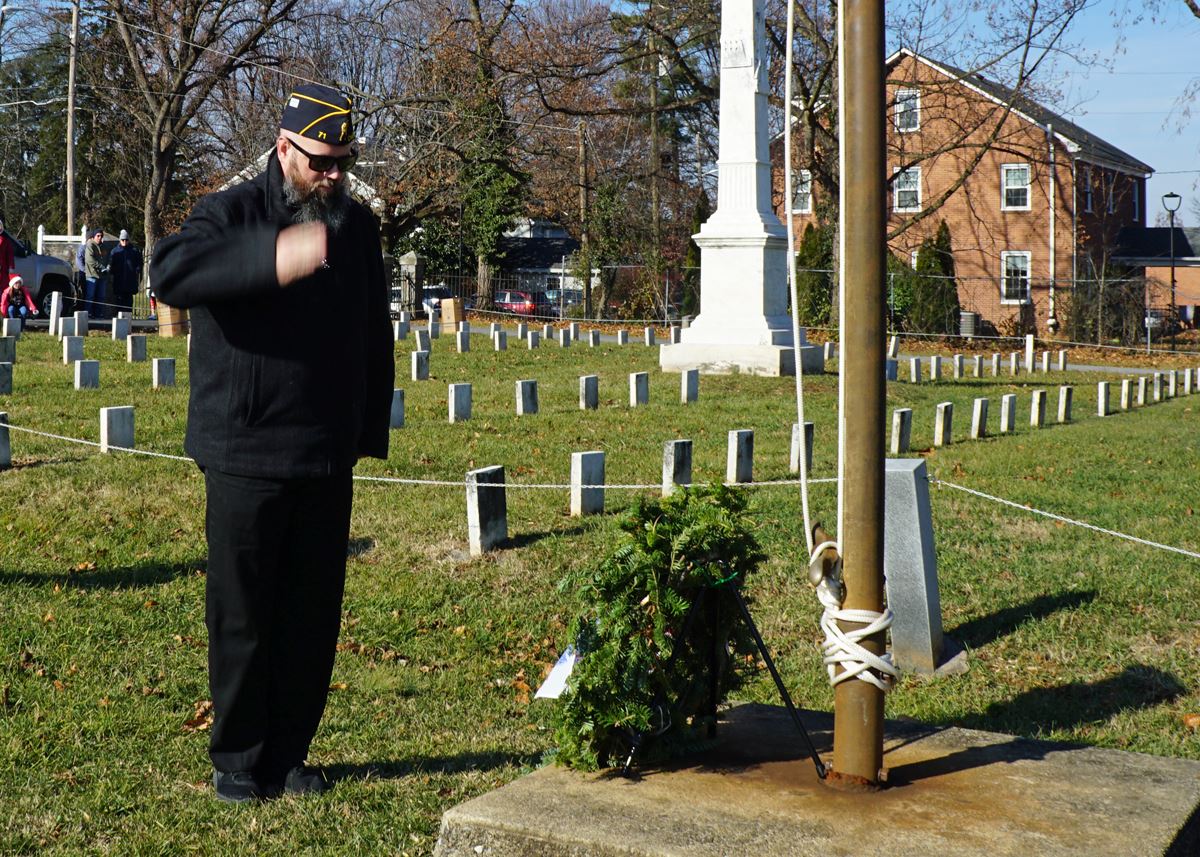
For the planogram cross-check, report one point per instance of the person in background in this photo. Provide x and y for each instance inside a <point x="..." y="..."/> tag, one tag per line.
<point x="8" y="264"/>
<point x="15" y="301"/>
<point x="94" y="268"/>
<point x="125" y="268"/>
<point x="276" y="427"/>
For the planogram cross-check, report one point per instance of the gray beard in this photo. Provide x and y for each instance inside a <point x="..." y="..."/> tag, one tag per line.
<point x="316" y="208"/>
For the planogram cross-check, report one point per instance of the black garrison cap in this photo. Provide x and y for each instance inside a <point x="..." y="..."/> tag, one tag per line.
<point x="319" y="113"/>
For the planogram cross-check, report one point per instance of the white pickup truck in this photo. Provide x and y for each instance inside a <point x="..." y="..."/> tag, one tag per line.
<point x="43" y="275"/>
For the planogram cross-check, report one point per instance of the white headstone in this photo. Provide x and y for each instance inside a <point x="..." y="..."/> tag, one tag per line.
<point x="957" y="363"/>
<point x="1102" y="399"/>
<point x="8" y="349"/>
<point x="891" y="370"/>
<point x="56" y="307"/>
<point x="547" y="332"/>
<point x="135" y="347"/>
<point x="6" y="379"/>
<point x="622" y="337"/>
<point x="589" y="392"/>
<point x="739" y="461"/>
<point x="1029" y="343"/>
<point x="5" y="442"/>
<point x="423" y="340"/>
<point x="116" y="428"/>
<point x="462" y="341"/>
<point x="1126" y="394"/>
<point x="163" y="372"/>
<point x="978" y="373"/>
<point x="996" y="365"/>
<point x="487" y="509"/>
<point x="1141" y="390"/>
<point x="593" y="338"/>
<point x="914" y="370"/>
<point x="397" y="415"/>
<point x="648" y="335"/>
<point x="459" y="402"/>
<point x="66" y="326"/>
<point x="943" y="424"/>
<point x="11" y="327"/>
<point x="901" y="430"/>
<point x="120" y="329"/>
<point x="639" y="389"/>
<point x="1158" y="386"/>
<point x="1014" y="363"/>
<point x="1037" y="409"/>
<point x="527" y="397"/>
<point x="893" y="351"/>
<point x="794" y="448"/>
<point x="400" y="330"/>
<point x="81" y="323"/>
<point x="522" y="329"/>
<point x="72" y="349"/>
<point x="434" y="329"/>
<point x="420" y="365"/>
<point x="674" y="335"/>
<point x="500" y="340"/>
<point x="677" y="465"/>
<point x="1065" y="394"/>
<point x="1008" y="413"/>
<point x="1062" y="360"/>
<point x="574" y="330"/>
<point x="587" y="469"/>
<point x="1045" y="361"/>
<point x="935" y="368"/>
<point x="564" y="338"/>
<point x="689" y="385"/>
<point x="979" y="415"/>
<point x="533" y="338"/>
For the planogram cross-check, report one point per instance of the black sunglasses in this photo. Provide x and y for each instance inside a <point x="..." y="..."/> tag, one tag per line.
<point x="325" y="163"/>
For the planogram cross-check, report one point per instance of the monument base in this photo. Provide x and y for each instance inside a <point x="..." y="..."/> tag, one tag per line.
<point x="951" y="793"/>
<point x="721" y="359"/>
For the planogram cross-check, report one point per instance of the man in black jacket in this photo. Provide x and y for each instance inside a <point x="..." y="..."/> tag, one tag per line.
<point x="282" y="406"/>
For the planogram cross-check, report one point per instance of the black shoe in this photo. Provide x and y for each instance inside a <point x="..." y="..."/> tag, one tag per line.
<point x="303" y="780"/>
<point x="237" y="786"/>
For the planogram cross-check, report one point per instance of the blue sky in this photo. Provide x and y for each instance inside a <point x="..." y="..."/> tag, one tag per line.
<point x="1133" y="103"/>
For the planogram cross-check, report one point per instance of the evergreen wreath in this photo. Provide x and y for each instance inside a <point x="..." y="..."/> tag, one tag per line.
<point x="643" y="666"/>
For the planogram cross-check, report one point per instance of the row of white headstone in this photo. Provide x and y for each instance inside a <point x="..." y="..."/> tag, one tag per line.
<point x="487" y="504"/>
<point x="533" y="337"/>
<point x="959" y="366"/>
<point x="116" y="432"/>
<point x="527" y="392"/>
<point x="1134" y="392"/>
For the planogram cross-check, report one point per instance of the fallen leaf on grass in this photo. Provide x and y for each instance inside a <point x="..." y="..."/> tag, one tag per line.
<point x="202" y="717"/>
<point x="1192" y="721"/>
<point x="338" y="685"/>
<point x="84" y="566"/>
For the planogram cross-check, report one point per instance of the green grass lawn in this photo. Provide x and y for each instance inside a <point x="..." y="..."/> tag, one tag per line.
<point x="1072" y="634"/>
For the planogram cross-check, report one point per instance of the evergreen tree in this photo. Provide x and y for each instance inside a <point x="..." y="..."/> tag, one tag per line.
<point x="814" y="282"/>
<point x="691" y="260"/>
<point x="935" y="305"/>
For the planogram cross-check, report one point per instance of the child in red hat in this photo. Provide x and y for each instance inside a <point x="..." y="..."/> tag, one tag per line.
<point x="15" y="300"/>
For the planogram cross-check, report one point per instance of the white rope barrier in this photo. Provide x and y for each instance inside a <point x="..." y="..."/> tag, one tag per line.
<point x="444" y="483"/>
<point x="1083" y="524"/>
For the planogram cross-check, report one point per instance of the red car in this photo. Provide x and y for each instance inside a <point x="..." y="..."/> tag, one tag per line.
<point x="523" y="303"/>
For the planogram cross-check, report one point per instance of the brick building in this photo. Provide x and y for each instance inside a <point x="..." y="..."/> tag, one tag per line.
<point x="1033" y="202"/>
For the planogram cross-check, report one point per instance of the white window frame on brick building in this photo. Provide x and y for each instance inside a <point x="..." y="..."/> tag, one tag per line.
<point x="908" y="110"/>
<point x="1019" y="277"/>
<point x="1087" y="189"/>
<point x="915" y="174"/>
<point x="1014" y="185"/>
<point x="1112" y="193"/>
<point x="1135" y="199"/>
<point x="802" y="201"/>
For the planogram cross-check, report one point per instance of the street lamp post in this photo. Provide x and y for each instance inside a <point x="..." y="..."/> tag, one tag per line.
<point x="1171" y="203"/>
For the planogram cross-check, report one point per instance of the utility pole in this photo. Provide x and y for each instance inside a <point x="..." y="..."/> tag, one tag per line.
<point x="71" y="120"/>
<point x="583" y="224"/>
<point x="858" y="705"/>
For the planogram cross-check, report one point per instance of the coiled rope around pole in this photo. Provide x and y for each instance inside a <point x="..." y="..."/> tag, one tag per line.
<point x="842" y="649"/>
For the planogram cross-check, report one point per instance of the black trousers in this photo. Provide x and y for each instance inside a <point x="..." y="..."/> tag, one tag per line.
<point x="276" y="573"/>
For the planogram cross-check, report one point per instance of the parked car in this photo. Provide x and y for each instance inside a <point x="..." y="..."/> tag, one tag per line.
<point x="433" y="296"/>
<point x="561" y="300"/>
<point x="43" y="275"/>
<point x="523" y="303"/>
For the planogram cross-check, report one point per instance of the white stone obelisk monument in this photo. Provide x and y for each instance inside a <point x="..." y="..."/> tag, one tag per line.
<point x="743" y="324"/>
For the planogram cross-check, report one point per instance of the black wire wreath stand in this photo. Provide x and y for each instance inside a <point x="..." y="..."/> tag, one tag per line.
<point x="716" y="658"/>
